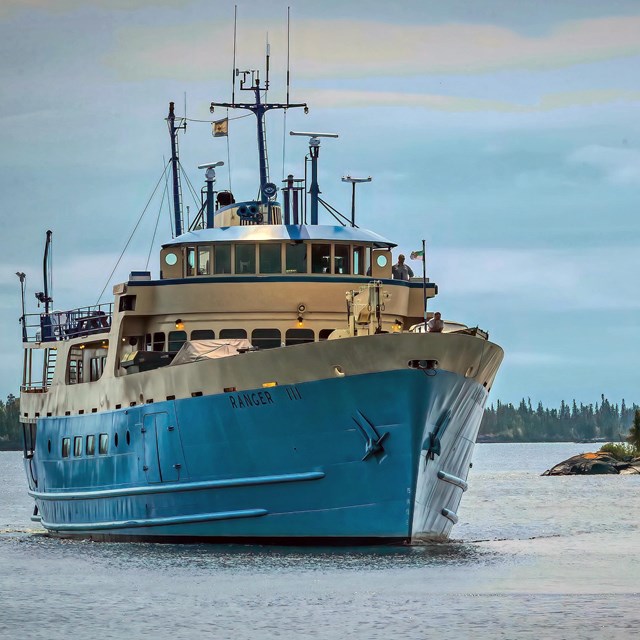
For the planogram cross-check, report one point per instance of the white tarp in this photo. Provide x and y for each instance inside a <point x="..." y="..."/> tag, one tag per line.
<point x="194" y="350"/>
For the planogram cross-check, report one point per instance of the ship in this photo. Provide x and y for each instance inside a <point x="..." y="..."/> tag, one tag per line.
<point x="274" y="383"/>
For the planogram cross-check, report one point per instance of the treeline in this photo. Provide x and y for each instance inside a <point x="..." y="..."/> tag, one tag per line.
<point x="574" y="422"/>
<point x="10" y="430"/>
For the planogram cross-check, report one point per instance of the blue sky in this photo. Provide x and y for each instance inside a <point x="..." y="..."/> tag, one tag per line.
<point x="504" y="133"/>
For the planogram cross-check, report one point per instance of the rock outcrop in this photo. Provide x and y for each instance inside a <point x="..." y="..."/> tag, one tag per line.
<point x="592" y="464"/>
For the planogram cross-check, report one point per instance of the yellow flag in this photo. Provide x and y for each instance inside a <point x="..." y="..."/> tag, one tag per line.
<point x="220" y="128"/>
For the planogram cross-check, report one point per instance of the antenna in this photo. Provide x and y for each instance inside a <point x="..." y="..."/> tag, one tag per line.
<point x="234" y="71"/>
<point x="266" y="84"/>
<point x="288" y="49"/>
<point x="314" y="151"/>
<point x="354" y="182"/>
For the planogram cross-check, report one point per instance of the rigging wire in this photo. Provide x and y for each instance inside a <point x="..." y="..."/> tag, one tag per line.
<point x="132" y="233"/>
<point x="246" y="115"/>
<point x="229" y="151"/>
<point x="284" y="140"/>
<point x="155" y="230"/>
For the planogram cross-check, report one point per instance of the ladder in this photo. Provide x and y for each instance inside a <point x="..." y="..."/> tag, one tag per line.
<point x="50" y="358"/>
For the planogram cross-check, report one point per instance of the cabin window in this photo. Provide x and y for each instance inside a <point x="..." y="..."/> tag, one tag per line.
<point x="103" y="445"/>
<point x="158" y="341"/>
<point x="147" y="342"/>
<point x="222" y="258"/>
<point x="204" y="261"/>
<point x="191" y="261"/>
<point x="96" y="367"/>
<point x="74" y="368"/>
<point x="245" y="258"/>
<point x="320" y="258"/>
<point x="296" y="258"/>
<point x="127" y="303"/>
<point x="341" y="259"/>
<point x="270" y="258"/>
<point x="266" y="338"/>
<point x="176" y="340"/>
<point x="358" y="261"/>
<point x="299" y="336"/>
<point x="203" y="334"/>
<point x="233" y="334"/>
<point x="77" y="446"/>
<point x="171" y="259"/>
<point x="66" y="446"/>
<point x="90" y="447"/>
<point x="325" y="333"/>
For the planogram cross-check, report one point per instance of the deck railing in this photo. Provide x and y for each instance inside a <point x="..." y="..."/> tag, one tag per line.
<point x="62" y="325"/>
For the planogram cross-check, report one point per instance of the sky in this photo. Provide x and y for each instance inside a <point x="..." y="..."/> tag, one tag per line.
<point x="505" y="133"/>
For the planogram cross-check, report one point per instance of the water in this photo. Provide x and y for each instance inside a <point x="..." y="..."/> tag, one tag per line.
<point x="533" y="557"/>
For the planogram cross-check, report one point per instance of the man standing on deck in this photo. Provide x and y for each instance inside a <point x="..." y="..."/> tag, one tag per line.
<point x="401" y="271"/>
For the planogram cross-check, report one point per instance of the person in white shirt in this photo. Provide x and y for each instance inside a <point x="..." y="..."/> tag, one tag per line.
<point x="436" y="324"/>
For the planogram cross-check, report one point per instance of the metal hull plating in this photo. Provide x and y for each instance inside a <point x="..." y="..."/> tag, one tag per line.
<point x="371" y="457"/>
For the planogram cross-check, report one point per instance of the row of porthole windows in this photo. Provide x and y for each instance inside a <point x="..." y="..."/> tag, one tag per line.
<point x="89" y="445"/>
<point x="263" y="338"/>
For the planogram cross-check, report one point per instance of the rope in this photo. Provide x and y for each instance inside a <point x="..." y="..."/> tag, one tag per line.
<point x="132" y="233"/>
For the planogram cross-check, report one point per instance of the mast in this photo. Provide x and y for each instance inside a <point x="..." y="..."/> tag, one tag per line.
<point x="258" y="108"/>
<point x="173" y="132"/>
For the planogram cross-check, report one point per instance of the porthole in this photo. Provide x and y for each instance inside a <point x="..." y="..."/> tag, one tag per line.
<point x="128" y="437"/>
<point x="382" y="260"/>
<point x="171" y="259"/>
<point x="115" y="439"/>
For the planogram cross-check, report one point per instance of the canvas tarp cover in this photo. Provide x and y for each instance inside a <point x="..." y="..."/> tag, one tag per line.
<point x="194" y="350"/>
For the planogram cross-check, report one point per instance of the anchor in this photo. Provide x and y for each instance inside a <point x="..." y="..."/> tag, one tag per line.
<point x="372" y="438"/>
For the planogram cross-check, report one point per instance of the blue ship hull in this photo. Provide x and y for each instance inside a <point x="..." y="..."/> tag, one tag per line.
<point x="354" y="459"/>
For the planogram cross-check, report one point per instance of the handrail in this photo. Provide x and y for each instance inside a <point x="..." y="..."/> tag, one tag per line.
<point x="63" y="325"/>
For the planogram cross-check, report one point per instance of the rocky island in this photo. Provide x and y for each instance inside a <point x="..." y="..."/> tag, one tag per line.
<point x="601" y="462"/>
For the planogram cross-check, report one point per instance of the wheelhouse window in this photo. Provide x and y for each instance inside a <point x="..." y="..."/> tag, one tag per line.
<point x="222" y="258"/>
<point x="90" y="447"/>
<point x="233" y="334"/>
<point x="341" y="259"/>
<point x="270" y="258"/>
<point x="77" y="446"/>
<point x="320" y="258"/>
<point x="359" y="267"/>
<point x="176" y="340"/>
<point x="299" y="336"/>
<point x="203" y="334"/>
<point x="296" y="258"/>
<point x="266" y="338"/>
<point x="158" y="341"/>
<point x="204" y="261"/>
<point x="103" y="446"/>
<point x="245" y="258"/>
<point x="191" y="261"/>
<point x="66" y="446"/>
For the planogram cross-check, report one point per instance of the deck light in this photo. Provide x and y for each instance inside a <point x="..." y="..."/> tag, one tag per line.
<point x="300" y="321"/>
<point x="179" y="324"/>
<point x="396" y="327"/>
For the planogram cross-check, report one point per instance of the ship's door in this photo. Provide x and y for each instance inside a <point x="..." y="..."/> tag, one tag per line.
<point x="150" y="443"/>
<point x="172" y="467"/>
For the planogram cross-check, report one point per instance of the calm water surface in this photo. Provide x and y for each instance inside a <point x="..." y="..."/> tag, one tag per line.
<point x="532" y="557"/>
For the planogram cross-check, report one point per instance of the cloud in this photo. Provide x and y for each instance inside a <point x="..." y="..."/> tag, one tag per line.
<point x="619" y="166"/>
<point x="601" y="278"/>
<point x="10" y="7"/>
<point x="339" y="98"/>
<point x="368" y="48"/>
